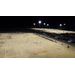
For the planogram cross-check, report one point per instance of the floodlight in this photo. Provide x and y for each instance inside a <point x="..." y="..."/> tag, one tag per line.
<point x="60" y="24"/>
<point x="39" y="22"/>
<point x="44" y="23"/>
<point x="33" y="23"/>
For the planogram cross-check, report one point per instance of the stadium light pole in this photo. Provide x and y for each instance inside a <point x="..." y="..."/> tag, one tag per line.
<point x="39" y="23"/>
<point x="47" y="25"/>
<point x="34" y="24"/>
<point x="44" y="24"/>
<point x="64" y="25"/>
<point x="60" y="25"/>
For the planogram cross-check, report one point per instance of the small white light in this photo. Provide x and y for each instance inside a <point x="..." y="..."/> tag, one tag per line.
<point x="64" y="24"/>
<point x="60" y="24"/>
<point x="39" y="21"/>
<point x="33" y="23"/>
<point x="47" y="24"/>
<point x="44" y="23"/>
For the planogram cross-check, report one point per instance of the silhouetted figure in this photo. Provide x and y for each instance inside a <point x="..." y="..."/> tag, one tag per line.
<point x="55" y="41"/>
<point x="67" y="46"/>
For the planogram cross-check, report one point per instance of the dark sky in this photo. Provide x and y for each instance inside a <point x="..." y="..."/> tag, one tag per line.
<point x="27" y="21"/>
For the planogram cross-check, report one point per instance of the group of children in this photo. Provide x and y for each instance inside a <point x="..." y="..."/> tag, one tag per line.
<point x="61" y="44"/>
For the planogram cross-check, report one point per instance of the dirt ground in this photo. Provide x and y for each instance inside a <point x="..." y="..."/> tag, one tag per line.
<point x="30" y="45"/>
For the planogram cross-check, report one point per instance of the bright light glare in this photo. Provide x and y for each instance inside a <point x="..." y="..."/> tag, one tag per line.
<point x="44" y="23"/>
<point x="60" y="24"/>
<point x="64" y="24"/>
<point x="47" y="24"/>
<point x="39" y="21"/>
<point x="33" y="23"/>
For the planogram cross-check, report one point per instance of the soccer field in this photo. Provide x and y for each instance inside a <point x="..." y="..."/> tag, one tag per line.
<point x="30" y="45"/>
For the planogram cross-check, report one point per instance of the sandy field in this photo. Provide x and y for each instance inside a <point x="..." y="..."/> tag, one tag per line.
<point x="30" y="45"/>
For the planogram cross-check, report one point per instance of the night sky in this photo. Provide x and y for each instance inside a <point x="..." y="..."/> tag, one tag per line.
<point x="27" y="21"/>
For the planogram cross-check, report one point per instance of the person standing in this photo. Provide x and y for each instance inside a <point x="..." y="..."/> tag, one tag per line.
<point x="68" y="46"/>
